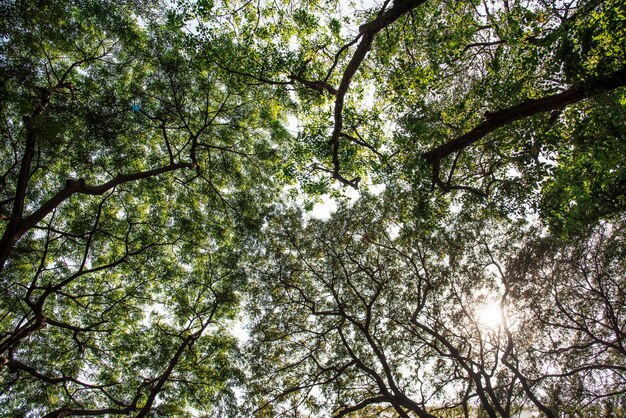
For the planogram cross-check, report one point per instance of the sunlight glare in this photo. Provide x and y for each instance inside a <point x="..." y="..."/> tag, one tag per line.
<point x="489" y="315"/>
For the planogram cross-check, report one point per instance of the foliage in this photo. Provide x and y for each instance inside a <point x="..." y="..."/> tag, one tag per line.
<point x="134" y="171"/>
<point x="159" y="159"/>
<point x="366" y="309"/>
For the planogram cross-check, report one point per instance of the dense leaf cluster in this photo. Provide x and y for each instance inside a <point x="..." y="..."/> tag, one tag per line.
<point x="159" y="161"/>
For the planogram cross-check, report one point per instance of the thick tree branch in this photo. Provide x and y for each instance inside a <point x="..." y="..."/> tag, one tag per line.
<point x="6" y="243"/>
<point x="73" y="187"/>
<point x="22" y="332"/>
<point x="368" y="32"/>
<point x="15" y="366"/>
<point x="446" y="186"/>
<point x="503" y="117"/>
<point x="30" y="122"/>
<point x="319" y="86"/>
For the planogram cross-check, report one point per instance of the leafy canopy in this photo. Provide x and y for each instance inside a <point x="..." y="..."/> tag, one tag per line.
<point x="159" y="159"/>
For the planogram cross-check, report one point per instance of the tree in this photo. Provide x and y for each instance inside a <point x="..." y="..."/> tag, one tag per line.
<point x="152" y="173"/>
<point x="500" y="102"/>
<point x="349" y="317"/>
<point x="128" y="184"/>
<point x="466" y="86"/>
<point x="581" y="289"/>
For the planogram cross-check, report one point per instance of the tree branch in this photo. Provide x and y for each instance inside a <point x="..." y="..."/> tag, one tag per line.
<point x="360" y="405"/>
<point x="72" y="187"/>
<point x="503" y="117"/>
<point x="368" y="32"/>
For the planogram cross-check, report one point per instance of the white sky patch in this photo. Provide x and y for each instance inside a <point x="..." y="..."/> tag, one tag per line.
<point x="493" y="270"/>
<point x="377" y="189"/>
<point x="393" y="231"/>
<point x="328" y="206"/>
<point x="369" y="93"/>
<point x="456" y="207"/>
<point x="155" y="311"/>
<point x="293" y="124"/>
<point x="489" y="315"/>
<point x="547" y="158"/>
<point x="352" y="194"/>
<point x="325" y="209"/>
<point x="513" y="172"/>
<point x="293" y="96"/>
<point x="294" y="44"/>
<point x="348" y="9"/>
<point x="240" y="331"/>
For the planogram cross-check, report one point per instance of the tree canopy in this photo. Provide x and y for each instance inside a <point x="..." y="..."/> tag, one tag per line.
<point x="160" y="161"/>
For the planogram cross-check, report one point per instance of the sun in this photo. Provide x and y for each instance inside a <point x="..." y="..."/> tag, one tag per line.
<point x="489" y="315"/>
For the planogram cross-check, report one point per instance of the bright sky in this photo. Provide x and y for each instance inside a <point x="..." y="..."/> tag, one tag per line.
<point x="328" y="206"/>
